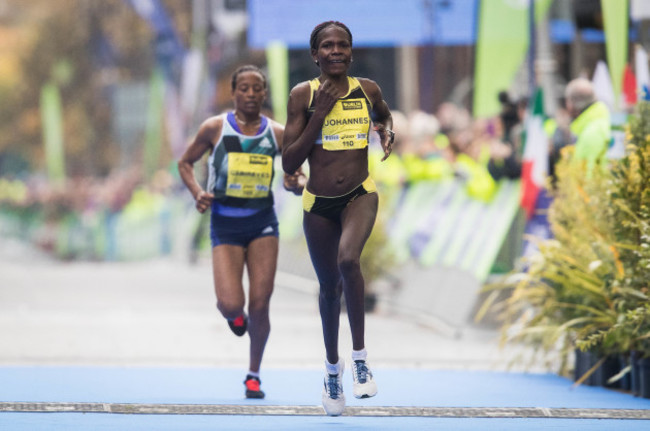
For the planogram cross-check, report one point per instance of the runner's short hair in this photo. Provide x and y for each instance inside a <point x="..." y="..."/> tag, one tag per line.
<point x="313" y="40"/>
<point x="246" y="68"/>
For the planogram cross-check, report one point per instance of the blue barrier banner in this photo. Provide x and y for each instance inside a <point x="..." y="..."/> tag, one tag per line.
<point x="438" y="223"/>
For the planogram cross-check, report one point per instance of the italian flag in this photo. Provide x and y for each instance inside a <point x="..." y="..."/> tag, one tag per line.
<point x="535" y="158"/>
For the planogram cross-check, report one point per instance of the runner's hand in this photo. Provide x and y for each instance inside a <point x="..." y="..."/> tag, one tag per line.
<point x="295" y="183"/>
<point x="203" y="201"/>
<point x="387" y="137"/>
<point x="326" y="96"/>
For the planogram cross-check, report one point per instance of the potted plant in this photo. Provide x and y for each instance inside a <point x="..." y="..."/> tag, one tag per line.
<point x="586" y="291"/>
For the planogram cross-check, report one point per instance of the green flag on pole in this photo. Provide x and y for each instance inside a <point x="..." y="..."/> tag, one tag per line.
<point x="154" y="131"/>
<point x="52" y="121"/>
<point x="615" y="17"/>
<point x="501" y="46"/>
<point x="277" y="57"/>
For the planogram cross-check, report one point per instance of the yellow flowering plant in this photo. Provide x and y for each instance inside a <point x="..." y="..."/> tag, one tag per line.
<point x="587" y="287"/>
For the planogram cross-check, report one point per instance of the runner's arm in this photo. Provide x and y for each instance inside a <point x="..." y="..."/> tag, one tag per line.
<point x="201" y="143"/>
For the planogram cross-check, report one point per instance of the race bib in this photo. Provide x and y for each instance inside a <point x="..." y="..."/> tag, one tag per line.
<point x="346" y="126"/>
<point x="249" y="175"/>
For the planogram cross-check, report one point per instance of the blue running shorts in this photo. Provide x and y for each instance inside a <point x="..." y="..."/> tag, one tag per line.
<point x="243" y="230"/>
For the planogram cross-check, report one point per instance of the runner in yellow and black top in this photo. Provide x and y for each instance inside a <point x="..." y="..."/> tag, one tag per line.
<point x="244" y="226"/>
<point x="328" y="124"/>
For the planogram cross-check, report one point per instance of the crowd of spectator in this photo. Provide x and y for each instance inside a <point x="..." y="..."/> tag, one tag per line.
<point x="36" y="209"/>
<point x="447" y="145"/>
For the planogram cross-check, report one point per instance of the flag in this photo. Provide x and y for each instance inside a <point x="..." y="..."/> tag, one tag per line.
<point x="641" y="71"/>
<point x="174" y="121"/>
<point x="535" y="159"/>
<point x="277" y="57"/>
<point x="502" y="41"/>
<point x="167" y="40"/>
<point x="154" y="130"/>
<point x="52" y="120"/>
<point x="639" y="9"/>
<point x="603" y="85"/>
<point x="629" y="86"/>
<point x="615" y="20"/>
<point x="191" y="77"/>
<point x="503" y="34"/>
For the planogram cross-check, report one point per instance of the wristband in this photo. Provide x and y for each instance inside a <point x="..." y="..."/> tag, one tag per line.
<point x="391" y="135"/>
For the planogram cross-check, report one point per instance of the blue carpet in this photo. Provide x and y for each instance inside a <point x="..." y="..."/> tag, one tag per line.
<point x="102" y="422"/>
<point x="412" y="387"/>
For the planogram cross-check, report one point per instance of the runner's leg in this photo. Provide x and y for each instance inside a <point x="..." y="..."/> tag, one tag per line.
<point x="322" y="237"/>
<point x="357" y="221"/>
<point x="228" y="269"/>
<point x="261" y="262"/>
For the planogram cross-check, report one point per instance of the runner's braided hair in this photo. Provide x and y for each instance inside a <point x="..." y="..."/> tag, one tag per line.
<point x="246" y="68"/>
<point x="313" y="40"/>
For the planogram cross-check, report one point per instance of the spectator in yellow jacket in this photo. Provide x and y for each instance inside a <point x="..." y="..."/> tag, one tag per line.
<point x="591" y="123"/>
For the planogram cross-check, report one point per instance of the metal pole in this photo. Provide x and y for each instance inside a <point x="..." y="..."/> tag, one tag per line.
<point x="545" y="65"/>
<point x="407" y="77"/>
<point x="532" y="81"/>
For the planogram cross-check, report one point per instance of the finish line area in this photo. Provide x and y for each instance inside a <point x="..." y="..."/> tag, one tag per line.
<point x="436" y="412"/>
<point x="137" y="398"/>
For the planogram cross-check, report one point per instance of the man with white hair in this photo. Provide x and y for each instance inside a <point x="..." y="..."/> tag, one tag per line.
<point x="591" y="123"/>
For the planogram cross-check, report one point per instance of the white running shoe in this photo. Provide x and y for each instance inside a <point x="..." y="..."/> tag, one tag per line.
<point x="363" y="383"/>
<point x="333" y="398"/>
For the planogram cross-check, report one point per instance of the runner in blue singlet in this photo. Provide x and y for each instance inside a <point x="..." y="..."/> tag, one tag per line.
<point x="244" y="226"/>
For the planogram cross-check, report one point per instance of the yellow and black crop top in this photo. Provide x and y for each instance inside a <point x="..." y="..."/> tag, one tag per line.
<point x="347" y="126"/>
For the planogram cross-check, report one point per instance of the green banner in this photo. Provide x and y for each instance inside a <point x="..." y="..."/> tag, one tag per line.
<point x="154" y="131"/>
<point x="52" y="123"/>
<point x="501" y="46"/>
<point x="615" y="17"/>
<point x="277" y="57"/>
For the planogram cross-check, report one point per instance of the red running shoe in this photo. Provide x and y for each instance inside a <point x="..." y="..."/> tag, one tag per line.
<point x="239" y="324"/>
<point x="253" y="387"/>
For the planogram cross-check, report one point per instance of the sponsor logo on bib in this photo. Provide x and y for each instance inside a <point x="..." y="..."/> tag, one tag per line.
<point x="352" y="104"/>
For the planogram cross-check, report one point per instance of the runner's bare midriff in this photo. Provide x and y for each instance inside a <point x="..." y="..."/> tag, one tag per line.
<point x="347" y="168"/>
